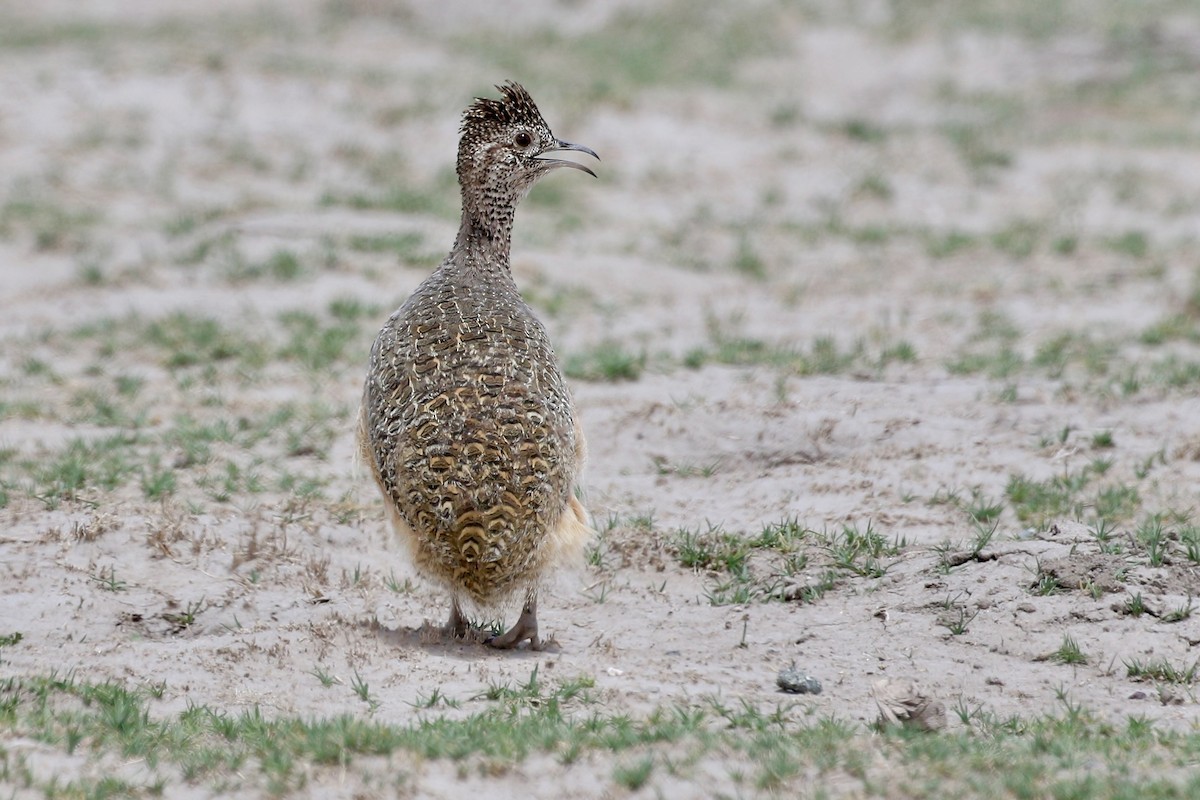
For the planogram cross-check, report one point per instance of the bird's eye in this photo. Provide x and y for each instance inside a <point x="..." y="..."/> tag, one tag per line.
<point x="523" y="139"/>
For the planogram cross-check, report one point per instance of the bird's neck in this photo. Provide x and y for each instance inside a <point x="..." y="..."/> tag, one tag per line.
<point x="485" y="233"/>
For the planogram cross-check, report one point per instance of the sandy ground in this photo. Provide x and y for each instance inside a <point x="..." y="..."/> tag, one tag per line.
<point x="973" y="187"/>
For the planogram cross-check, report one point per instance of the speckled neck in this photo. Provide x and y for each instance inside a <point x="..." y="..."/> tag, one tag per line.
<point x="486" y="238"/>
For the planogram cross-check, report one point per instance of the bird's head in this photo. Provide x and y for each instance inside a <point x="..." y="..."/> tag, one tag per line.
<point x="504" y="147"/>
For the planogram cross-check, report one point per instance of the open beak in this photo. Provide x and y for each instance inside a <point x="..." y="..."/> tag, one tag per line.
<point x="560" y="145"/>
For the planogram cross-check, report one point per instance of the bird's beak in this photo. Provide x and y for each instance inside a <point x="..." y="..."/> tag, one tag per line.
<point x="560" y="145"/>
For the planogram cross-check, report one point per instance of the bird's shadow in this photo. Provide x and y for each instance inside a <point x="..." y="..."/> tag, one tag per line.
<point x="474" y="645"/>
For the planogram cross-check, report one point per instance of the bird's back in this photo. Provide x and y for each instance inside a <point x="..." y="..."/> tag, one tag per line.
<point x="469" y="429"/>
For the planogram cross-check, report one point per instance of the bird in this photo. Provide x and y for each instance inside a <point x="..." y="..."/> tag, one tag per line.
<point x="467" y="423"/>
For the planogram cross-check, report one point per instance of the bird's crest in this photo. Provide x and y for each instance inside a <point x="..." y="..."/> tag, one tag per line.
<point x="515" y="107"/>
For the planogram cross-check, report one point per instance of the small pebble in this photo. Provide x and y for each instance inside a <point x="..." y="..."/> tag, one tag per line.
<point x="793" y="680"/>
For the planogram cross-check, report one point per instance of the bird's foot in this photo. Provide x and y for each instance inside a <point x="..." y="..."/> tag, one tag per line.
<point x="457" y="627"/>
<point x="525" y="629"/>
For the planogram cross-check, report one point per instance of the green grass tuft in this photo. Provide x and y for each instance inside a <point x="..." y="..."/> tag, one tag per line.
<point x="607" y="361"/>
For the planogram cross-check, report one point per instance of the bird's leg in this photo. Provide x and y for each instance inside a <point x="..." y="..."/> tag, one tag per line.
<point x="457" y="626"/>
<point x="526" y="628"/>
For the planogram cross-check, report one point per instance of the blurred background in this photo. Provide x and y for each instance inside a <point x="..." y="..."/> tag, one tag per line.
<point x="926" y="151"/>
